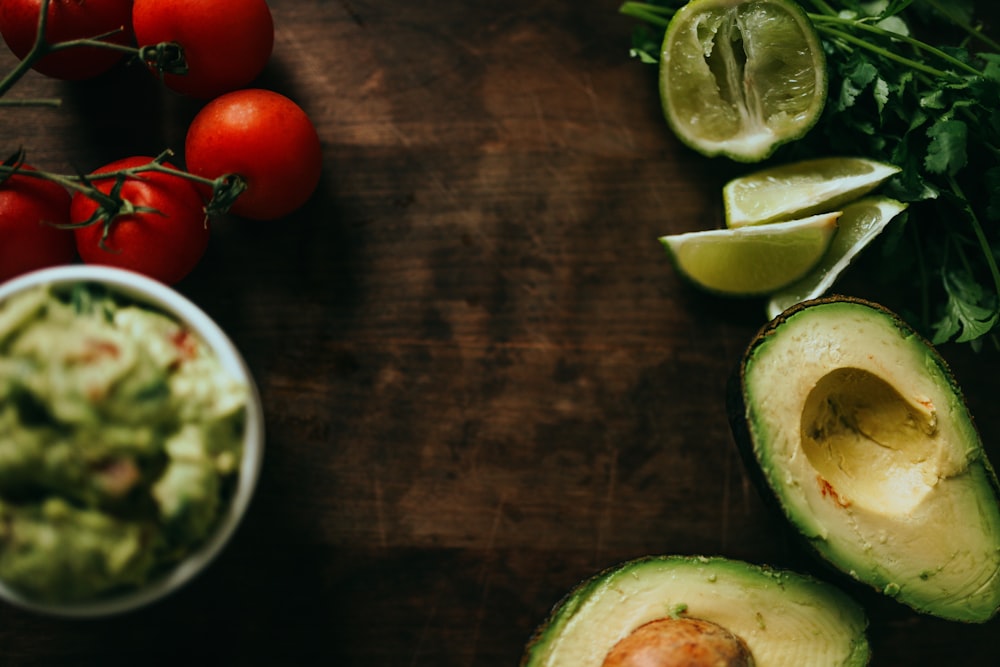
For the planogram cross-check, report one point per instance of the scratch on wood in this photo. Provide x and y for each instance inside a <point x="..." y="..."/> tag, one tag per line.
<point x="609" y="504"/>
<point x="726" y="500"/>
<point x="424" y="633"/>
<point x="379" y="513"/>
<point x="480" y="615"/>
<point x="355" y="16"/>
<point x="485" y="576"/>
<point x="542" y="124"/>
<point x="622" y="130"/>
<point x="495" y="528"/>
<point x="588" y="89"/>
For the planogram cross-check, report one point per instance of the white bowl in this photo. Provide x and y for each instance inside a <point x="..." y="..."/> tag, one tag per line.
<point x="158" y="296"/>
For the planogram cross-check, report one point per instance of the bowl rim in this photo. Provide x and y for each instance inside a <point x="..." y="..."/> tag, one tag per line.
<point x="159" y="296"/>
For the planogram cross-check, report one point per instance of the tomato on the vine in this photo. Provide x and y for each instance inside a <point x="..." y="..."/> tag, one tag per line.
<point x="265" y="138"/>
<point x="164" y="236"/>
<point x="31" y="211"/>
<point x="226" y="43"/>
<point x="69" y="20"/>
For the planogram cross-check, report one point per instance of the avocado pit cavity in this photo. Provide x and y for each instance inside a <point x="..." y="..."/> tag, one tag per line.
<point x="680" y="642"/>
<point x="869" y="445"/>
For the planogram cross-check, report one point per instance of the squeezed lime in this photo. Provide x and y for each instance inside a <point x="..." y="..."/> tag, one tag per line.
<point x="741" y="77"/>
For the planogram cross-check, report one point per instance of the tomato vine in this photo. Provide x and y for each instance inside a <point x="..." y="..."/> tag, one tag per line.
<point x="165" y="57"/>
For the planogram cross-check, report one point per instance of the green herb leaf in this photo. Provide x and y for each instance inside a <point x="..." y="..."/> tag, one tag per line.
<point x="969" y="311"/>
<point x="947" y="151"/>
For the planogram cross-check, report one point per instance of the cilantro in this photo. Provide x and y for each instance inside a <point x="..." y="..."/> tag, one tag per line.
<point x="915" y="83"/>
<point x="946" y="153"/>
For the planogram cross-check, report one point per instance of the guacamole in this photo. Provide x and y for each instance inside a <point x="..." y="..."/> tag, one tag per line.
<point x="120" y="442"/>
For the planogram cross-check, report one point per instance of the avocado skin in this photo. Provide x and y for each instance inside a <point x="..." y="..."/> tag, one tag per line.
<point x="736" y="410"/>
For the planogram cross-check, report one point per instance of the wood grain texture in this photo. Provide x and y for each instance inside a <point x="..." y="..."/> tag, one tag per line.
<point x="482" y="380"/>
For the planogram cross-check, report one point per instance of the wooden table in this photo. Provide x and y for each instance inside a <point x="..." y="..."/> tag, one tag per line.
<point x="483" y="381"/>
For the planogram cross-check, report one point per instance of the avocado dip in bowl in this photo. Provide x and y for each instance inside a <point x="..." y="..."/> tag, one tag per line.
<point x="131" y="440"/>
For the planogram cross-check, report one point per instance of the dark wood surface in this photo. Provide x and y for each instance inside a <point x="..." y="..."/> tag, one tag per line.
<point x="482" y="380"/>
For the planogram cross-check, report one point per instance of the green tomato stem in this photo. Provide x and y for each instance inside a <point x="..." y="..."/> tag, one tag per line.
<point x="40" y="44"/>
<point x="165" y="57"/>
<point x="37" y="53"/>
<point x="225" y="189"/>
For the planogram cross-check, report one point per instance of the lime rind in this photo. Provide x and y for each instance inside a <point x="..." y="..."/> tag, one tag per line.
<point x="801" y="188"/>
<point x="752" y="261"/>
<point x="857" y="227"/>
<point x="741" y="77"/>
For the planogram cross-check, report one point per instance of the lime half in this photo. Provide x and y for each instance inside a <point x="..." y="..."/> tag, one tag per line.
<point x="802" y="188"/>
<point x="859" y="224"/>
<point x="741" y="77"/>
<point x="753" y="260"/>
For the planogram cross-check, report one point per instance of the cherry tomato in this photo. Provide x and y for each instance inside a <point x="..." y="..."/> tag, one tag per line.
<point x="226" y="43"/>
<point x="68" y="20"/>
<point x="165" y="243"/>
<point x="264" y="137"/>
<point x="30" y="209"/>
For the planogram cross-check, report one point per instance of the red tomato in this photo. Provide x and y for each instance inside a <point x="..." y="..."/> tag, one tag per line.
<point x="226" y="43"/>
<point x="264" y="137"/>
<point x="68" y="20"/>
<point x="165" y="244"/>
<point x="29" y="210"/>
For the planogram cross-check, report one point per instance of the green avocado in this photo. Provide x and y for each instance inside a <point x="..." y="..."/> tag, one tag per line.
<point x="859" y="431"/>
<point x="779" y="618"/>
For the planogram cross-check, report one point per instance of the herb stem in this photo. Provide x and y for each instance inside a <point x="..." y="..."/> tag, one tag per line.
<point x="885" y="53"/>
<point x="824" y="7"/>
<point x="821" y="20"/>
<point x="977" y="229"/>
<point x="971" y="30"/>
<point x="644" y="11"/>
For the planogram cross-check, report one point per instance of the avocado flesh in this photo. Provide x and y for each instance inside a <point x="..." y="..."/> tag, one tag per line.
<point x="863" y="436"/>
<point x="784" y="618"/>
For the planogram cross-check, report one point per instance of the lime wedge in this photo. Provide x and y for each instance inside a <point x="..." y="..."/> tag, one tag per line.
<point x="752" y="260"/>
<point x="799" y="189"/>
<point x="741" y="77"/>
<point x="859" y="224"/>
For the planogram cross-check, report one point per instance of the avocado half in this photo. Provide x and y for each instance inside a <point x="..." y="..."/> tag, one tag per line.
<point x="783" y="618"/>
<point x="861" y="434"/>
